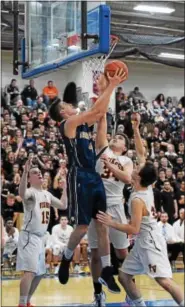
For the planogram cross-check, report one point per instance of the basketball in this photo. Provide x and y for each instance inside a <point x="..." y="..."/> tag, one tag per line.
<point x="114" y="65"/>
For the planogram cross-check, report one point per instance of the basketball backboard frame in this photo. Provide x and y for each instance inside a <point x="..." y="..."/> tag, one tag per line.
<point x="102" y="12"/>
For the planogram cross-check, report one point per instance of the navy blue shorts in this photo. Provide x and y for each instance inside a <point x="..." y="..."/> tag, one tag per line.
<point x="86" y="195"/>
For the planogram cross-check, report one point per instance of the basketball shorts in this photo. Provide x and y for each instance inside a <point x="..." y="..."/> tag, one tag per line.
<point x="118" y="239"/>
<point x="31" y="253"/>
<point x="148" y="256"/>
<point x="86" y="195"/>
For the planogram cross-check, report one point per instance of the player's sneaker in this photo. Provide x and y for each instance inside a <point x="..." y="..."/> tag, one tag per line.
<point x="30" y="305"/>
<point x="99" y="300"/>
<point x="107" y="279"/>
<point x="63" y="273"/>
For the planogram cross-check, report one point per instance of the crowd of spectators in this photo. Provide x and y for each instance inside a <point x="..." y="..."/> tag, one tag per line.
<point x="28" y="131"/>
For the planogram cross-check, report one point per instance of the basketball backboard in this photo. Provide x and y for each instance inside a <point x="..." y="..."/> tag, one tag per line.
<point x="54" y="38"/>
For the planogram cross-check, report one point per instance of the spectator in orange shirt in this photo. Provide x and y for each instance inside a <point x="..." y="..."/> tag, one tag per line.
<point x="50" y="92"/>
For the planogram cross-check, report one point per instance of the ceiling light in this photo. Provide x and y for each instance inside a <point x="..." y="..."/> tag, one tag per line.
<point x="154" y="9"/>
<point x="171" y="55"/>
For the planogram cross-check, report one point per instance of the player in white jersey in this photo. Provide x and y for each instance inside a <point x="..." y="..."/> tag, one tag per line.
<point x="31" y="251"/>
<point x="149" y="254"/>
<point x="115" y="169"/>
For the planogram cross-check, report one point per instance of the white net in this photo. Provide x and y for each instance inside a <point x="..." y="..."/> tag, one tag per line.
<point x="93" y="67"/>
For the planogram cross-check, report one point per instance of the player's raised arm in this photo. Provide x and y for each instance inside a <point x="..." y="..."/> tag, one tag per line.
<point x="101" y="137"/>
<point x="24" y="179"/>
<point x="140" y="149"/>
<point x="99" y="108"/>
<point x="66" y="110"/>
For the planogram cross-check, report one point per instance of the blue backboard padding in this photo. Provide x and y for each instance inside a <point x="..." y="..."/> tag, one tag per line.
<point x="102" y="28"/>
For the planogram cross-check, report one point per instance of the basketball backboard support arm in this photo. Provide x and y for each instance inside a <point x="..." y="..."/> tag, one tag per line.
<point x="84" y="25"/>
<point x="16" y="62"/>
<point x="49" y="53"/>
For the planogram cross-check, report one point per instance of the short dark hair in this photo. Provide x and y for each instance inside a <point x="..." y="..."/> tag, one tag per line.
<point x="70" y="94"/>
<point x="54" y="110"/>
<point x="166" y="181"/>
<point x="162" y="170"/>
<point x="148" y="174"/>
<point x="164" y="213"/>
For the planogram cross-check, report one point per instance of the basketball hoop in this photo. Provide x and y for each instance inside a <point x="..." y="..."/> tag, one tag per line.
<point x="94" y="66"/>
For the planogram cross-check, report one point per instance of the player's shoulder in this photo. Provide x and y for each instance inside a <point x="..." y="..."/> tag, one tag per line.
<point x="47" y="193"/>
<point x="30" y="193"/>
<point x="31" y="189"/>
<point x="108" y="151"/>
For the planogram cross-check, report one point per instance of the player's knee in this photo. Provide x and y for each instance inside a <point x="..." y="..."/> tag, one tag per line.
<point x="27" y="276"/>
<point x="166" y="283"/>
<point x="121" y="254"/>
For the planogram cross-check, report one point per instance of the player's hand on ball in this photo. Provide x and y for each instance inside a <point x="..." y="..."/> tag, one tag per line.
<point x="119" y="77"/>
<point x="104" y="218"/>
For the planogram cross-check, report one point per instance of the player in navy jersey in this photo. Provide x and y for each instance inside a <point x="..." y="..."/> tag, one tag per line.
<point x="86" y="194"/>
